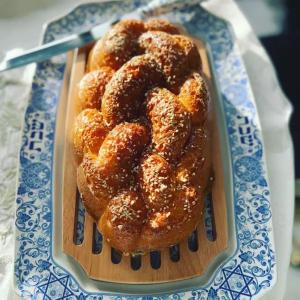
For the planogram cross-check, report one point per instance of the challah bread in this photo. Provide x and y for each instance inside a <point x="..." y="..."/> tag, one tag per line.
<point x="141" y="140"/>
<point x="117" y="46"/>
<point x="89" y="133"/>
<point x="170" y="123"/>
<point x="125" y="92"/>
<point x="175" y="54"/>
<point x="92" y="87"/>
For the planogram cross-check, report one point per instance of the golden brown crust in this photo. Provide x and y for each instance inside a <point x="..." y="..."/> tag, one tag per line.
<point x="111" y="169"/>
<point x="161" y="25"/>
<point x="117" y="46"/>
<point x="170" y="228"/>
<point x="175" y="55"/>
<point x="95" y="206"/>
<point x="120" y="43"/>
<point x="184" y="211"/>
<point x="143" y="147"/>
<point x="126" y="90"/>
<point x="123" y="144"/>
<point x="122" y="221"/>
<point x="157" y="184"/>
<point x="89" y="132"/>
<point x="194" y="97"/>
<point x="170" y="123"/>
<point x="92" y="86"/>
<point x="189" y="168"/>
<point x="190" y="51"/>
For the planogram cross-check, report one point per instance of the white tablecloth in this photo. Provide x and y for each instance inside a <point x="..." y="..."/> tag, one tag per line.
<point x="274" y="111"/>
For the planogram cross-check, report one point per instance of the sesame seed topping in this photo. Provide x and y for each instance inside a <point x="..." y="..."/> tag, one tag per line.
<point x="143" y="149"/>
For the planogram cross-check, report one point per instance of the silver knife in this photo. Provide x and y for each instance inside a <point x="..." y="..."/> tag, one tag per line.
<point x="56" y="47"/>
<point x="73" y="41"/>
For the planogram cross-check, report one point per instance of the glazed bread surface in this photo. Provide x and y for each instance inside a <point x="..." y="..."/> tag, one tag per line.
<point x="141" y="139"/>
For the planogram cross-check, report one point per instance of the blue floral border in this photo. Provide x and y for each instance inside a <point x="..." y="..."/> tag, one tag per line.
<point x="249" y="272"/>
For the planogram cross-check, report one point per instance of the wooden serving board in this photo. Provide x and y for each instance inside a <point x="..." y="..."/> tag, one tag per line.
<point x="191" y="263"/>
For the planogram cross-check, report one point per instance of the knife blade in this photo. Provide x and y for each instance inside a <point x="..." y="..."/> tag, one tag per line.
<point x="73" y="41"/>
<point x="57" y="47"/>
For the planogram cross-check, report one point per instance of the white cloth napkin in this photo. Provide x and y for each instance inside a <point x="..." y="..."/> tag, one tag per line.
<point x="14" y="91"/>
<point x="274" y="111"/>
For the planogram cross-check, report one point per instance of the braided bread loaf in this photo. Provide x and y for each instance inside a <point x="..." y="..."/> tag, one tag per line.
<point x="140" y="140"/>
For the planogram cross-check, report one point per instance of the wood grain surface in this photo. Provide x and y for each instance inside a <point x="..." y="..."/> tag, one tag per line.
<point x="100" y="266"/>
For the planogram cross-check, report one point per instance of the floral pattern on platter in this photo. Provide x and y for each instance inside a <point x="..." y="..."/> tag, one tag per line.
<point x="250" y="271"/>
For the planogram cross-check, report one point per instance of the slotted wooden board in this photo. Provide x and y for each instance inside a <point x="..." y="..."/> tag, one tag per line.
<point x="100" y="266"/>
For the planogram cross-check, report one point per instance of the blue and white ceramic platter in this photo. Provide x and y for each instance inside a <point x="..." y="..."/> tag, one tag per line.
<point x="250" y="269"/>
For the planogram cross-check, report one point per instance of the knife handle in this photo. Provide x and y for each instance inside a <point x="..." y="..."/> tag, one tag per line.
<point x="164" y="6"/>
